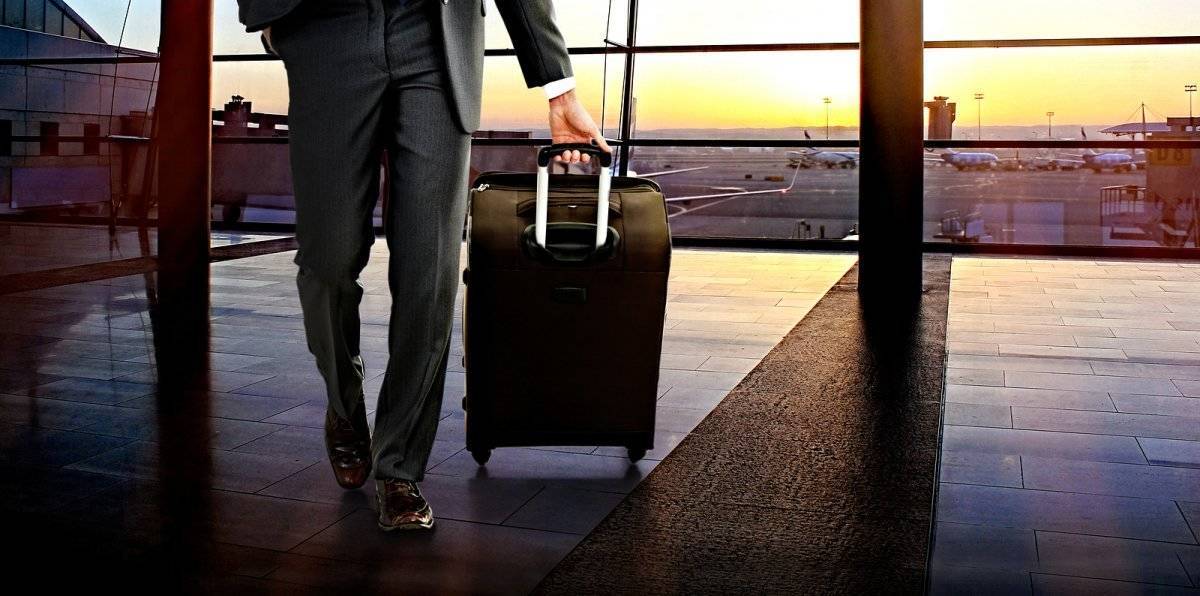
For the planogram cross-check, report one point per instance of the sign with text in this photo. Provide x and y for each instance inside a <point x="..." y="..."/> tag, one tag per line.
<point x="1171" y="157"/>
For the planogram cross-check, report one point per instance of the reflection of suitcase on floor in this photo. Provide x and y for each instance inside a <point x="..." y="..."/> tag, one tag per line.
<point x="563" y="325"/>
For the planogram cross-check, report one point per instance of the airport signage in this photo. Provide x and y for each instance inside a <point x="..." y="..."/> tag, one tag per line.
<point x="1171" y="157"/>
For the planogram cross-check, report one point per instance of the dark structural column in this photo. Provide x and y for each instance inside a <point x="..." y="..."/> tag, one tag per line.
<point x="180" y="315"/>
<point x="891" y="176"/>
<point x="184" y="144"/>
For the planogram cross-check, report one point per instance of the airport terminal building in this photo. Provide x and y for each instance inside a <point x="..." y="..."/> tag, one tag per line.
<point x="928" y="305"/>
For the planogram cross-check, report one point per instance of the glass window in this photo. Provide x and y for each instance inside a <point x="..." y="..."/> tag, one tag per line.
<point x="508" y="105"/>
<point x="35" y="14"/>
<point x="14" y="13"/>
<point x="672" y="22"/>
<point x="1025" y="19"/>
<point x="262" y="83"/>
<point x="776" y="95"/>
<point x="49" y="142"/>
<point x="6" y="128"/>
<point x="70" y="28"/>
<point x="581" y="23"/>
<point x="719" y="191"/>
<point x="1106" y="86"/>
<point x="1042" y="196"/>
<point x="91" y="143"/>
<point x="54" y="19"/>
<point x="1062" y="196"/>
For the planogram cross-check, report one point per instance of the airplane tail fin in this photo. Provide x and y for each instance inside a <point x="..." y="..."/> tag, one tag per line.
<point x="808" y="149"/>
<point x="1088" y="153"/>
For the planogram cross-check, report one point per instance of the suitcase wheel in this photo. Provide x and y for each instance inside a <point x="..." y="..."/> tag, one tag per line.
<point x="481" y="455"/>
<point x="636" y="453"/>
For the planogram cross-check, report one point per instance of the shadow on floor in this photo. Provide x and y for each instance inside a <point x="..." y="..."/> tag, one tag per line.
<point x="815" y="474"/>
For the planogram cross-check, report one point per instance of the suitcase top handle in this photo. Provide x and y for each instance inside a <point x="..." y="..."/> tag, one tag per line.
<point x="545" y="153"/>
<point x="543" y="190"/>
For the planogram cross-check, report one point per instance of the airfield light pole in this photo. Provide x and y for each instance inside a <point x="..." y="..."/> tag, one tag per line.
<point x="1190" y="90"/>
<point x="827" y="101"/>
<point x="979" y="114"/>
<point x="1049" y="125"/>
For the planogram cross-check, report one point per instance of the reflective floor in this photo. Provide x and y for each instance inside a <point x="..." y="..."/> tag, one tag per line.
<point x="1071" y="444"/>
<point x="1070" y="451"/>
<point x="123" y="471"/>
<point x="31" y="247"/>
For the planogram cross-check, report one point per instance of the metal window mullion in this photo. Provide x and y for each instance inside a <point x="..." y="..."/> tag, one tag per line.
<point x="627" y="89"/>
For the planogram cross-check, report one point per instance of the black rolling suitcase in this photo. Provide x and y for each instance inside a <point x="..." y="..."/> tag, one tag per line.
<point x="564" y="308"/>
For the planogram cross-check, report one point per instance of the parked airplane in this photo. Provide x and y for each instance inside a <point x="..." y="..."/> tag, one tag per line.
<point x="829" y="159"/>
<point x="1043" y="162"/>
<point x="1117" y="162"/>
<point x="968" y="160"/>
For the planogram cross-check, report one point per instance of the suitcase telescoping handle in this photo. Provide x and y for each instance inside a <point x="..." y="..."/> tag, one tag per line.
<point x="543" y="188"/>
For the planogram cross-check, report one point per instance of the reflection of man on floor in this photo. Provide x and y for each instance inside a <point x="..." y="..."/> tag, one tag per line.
<point x="405" y="75"/>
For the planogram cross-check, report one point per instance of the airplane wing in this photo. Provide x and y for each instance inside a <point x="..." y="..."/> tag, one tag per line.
<point x="1075" y="162"/>
<point x="738" y="193"/>
<point x="936" y="159"/>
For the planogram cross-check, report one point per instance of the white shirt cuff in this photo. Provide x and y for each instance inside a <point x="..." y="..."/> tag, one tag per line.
<point x="555" y="88"/>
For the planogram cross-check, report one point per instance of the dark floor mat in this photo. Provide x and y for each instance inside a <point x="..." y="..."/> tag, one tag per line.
<point x="816" y="474"/>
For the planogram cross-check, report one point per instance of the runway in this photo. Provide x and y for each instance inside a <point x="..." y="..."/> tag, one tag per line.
<point x="1034" y="206"/>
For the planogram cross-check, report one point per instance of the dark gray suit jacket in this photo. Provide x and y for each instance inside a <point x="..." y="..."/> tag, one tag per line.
<point x="540" y="48"/>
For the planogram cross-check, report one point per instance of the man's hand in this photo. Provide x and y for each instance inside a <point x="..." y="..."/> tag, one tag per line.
<point x="571" y="123"/>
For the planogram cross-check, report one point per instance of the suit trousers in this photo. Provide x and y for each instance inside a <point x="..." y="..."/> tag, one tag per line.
<point x="364" y="76"/>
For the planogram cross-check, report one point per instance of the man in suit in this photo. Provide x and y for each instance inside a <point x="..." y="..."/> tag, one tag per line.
<point x="405" y="76"/>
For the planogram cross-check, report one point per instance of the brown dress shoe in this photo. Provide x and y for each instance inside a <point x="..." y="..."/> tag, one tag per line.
<point x="401" y="506"/>
<point x="348" y="444"/>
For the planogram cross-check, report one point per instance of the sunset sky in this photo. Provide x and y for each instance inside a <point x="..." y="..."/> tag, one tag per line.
<point x="1082" y="85"/>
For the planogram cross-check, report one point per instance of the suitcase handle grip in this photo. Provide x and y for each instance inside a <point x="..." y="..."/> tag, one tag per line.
<point x="545" y="153"/>
<point x="543" y="191"/>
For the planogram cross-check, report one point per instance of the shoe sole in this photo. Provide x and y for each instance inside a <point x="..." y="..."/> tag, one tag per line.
<point x="405" y="527"/>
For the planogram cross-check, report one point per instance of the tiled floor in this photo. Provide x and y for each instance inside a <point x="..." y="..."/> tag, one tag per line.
<point x="1071" y="442"/>
<point x="80" y="435"/>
